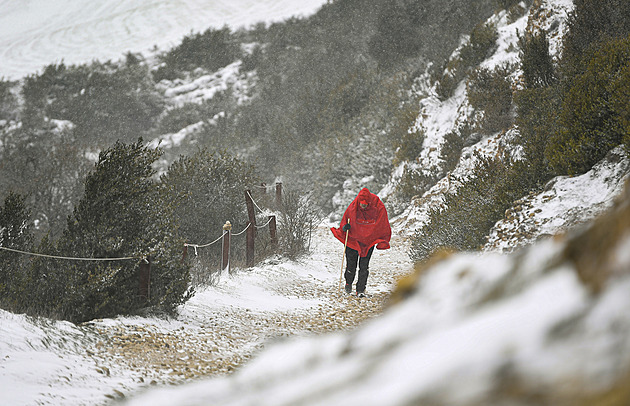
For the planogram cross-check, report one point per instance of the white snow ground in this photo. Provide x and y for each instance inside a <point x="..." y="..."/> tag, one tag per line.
<point x="36" y="33"/>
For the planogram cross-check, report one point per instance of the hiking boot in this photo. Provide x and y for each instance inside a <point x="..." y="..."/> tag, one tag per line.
<point x="361" y="294"/>
<point x="348" y="288"/>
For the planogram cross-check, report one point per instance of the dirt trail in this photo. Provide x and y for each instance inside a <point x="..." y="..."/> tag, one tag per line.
<point x="208" y="339"/>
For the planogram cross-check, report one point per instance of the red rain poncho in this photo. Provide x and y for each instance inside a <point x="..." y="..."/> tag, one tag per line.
<point x="368" y="227"/>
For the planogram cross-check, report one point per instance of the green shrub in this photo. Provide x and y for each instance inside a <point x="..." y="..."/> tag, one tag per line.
<point x="8" y="101"/>
<point x="516" y="11"/>
<point x="491" y="92"/>
<point x="415" y="182"/>
<point x="469" y="213"/>
<point x="451" y="150"/>
<point x="347" y="100"/>
<point x="481" y="44"/>
<point x="483" y="41"/>
<point x="453" y="73"/>
<point x="15" y="233"/>
<point x="591" y="23"/>
<point x="592" y="113"/>
<point x="408" y="141"/>
<point x="536" y="61"/>
<point x="208" y="189"/>
<point x="252" y="60"/>
<point x="536" y="121"/>
<point x="105" y="102"/>
<point x="122" y="214"/>
<point x="47" y="167"/>
<point x="179" y="118"/>
<point x="211" y="50"/>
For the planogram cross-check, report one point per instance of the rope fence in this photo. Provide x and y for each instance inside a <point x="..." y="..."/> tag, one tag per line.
<point x="145" y="262"/>
<point x="250" y="229"/>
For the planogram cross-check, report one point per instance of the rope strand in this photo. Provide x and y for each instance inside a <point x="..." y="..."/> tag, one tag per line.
<point x="206" y="245"/>
<point x="253" y="201"/>
<point x="266" y="224"/>
<point x="67" y="258"/>
<point x="248" y="224"/>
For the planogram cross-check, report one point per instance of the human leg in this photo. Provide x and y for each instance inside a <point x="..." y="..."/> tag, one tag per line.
<point x="352" y="257"/>
<point x="364" y="264"/>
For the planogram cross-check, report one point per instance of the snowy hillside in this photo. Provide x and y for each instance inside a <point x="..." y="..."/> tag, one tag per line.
<point x="539" y="317"/>
<point x="35" y="33"/>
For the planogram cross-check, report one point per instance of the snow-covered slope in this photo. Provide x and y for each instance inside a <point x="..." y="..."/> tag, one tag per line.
<point x="438" y="118"/>
<point x="35" y="33"/>
<point x="565" y="203"/>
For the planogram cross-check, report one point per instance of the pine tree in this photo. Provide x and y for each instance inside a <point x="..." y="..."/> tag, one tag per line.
<point x="122" y="214"/>
<point x="15" y="233"/>
<point x="536" y="61"/>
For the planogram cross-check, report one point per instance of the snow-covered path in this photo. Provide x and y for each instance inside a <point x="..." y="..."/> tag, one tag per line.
<point x="214" y="333"/>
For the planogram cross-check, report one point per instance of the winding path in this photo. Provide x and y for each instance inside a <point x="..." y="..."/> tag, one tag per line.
<point x="224" y="325"/>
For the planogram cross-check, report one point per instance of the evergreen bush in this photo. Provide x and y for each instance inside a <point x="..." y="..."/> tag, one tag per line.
<point x="536" y="122"/>
<point x="451" y="150"/>
<point x="536" y="61"/>
<point x="449" y="77"/>
<point x="106" y="102"/>
<point x="211" y="50"/>
<point x="491" y="92"/>
<point x="468" y="214"/>
<point x="481" y="44"/>
<point x="408" y="141"/>
<point x="122" y="214"/>
<point x="591" y="23"/>
<point x="483" y="41"/>
<point x="208" y="190"/>
<point x="593" y="111"/>
<point x="46" y="166"/>
<point x="179" y="118"/>
<point x="8" y="101"/>
<point x="414" y="182"/>
<point x="252" y="60"/>
<point x="15" y="233"/>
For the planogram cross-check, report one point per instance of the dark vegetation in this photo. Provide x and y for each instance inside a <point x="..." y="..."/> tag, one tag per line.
<point x="331" y="102"/>
<point x="570" y="114"/>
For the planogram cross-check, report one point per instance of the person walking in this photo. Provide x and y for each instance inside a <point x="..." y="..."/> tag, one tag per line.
<point x="364" y="225"/>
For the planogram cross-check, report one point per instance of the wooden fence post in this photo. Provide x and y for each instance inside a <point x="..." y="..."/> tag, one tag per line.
<point x="278" y="195"/>
<point x="251" y="230"/>
<point x="184" y="253"/>
<point x="273" y="232"/>
<point x="225" y="262"/>
<point x="145" y="279"/>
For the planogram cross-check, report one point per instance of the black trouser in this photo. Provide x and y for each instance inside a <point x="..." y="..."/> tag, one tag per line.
<point x="352" y="257"/>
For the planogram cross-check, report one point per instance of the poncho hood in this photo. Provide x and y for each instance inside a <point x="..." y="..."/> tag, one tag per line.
<point x="368" y="227"/>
